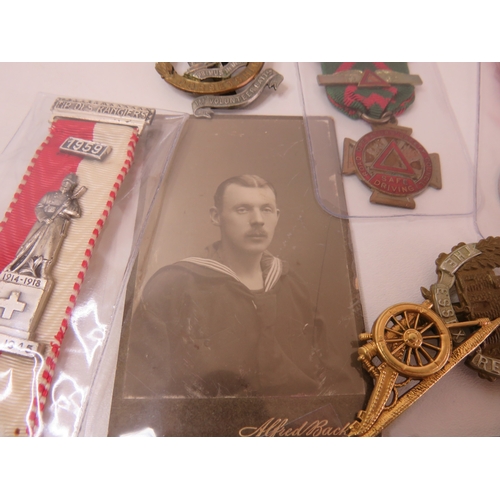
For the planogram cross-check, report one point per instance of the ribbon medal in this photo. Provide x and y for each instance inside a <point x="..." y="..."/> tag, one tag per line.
<point x="46" y="240"/>
<point x="388" y="160"/>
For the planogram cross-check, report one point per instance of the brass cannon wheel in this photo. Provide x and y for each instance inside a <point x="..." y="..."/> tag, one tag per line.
<point x="412" y="339"/>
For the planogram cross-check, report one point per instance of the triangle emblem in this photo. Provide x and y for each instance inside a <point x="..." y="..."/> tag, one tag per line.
<point x="393" y="160"/>
<point x="371" y="79"/>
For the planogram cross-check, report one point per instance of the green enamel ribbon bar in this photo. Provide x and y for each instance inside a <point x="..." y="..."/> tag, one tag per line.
<point x="370" y="88"/>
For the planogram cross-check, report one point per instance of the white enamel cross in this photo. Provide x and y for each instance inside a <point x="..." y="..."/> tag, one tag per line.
<point x="11" y="304"/>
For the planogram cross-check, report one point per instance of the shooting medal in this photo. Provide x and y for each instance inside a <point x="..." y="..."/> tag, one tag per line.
<point x="216" y="83"/>
<point x="46" y="240"/>
<point x="388" y="160"/>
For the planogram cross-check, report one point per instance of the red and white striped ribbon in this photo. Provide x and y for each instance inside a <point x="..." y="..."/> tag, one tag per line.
<point x="24" y="382"/>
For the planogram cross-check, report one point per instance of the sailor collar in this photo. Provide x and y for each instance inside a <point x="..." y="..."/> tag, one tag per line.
<point x="272" y="267"/>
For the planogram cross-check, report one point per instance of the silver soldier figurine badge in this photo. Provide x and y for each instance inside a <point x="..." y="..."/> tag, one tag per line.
<point x="25" y="283"/>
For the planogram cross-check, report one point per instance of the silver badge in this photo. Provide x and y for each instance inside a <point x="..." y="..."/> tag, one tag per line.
<point x="88" y="149"/>
<point x="25" y="283"/>
<point x="270" y="78"/>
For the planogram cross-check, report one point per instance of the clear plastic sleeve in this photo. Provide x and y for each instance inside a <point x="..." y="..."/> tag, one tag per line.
<point x="488" y="157"/>
<point x="195" y="355"/>
<point x="98" y="304"/>
<point x="434" y="126"/>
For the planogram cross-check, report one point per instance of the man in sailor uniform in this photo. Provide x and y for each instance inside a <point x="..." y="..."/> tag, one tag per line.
<point x="237" y="321"/>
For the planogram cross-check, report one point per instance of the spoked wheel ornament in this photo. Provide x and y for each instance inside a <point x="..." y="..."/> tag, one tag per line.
<point x="412" y="339"/>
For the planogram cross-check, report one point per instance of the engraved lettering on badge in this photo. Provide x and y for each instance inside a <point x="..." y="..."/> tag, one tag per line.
<point x="85" y="148"/>
<point x="22" y="347"/>
<point x="443" y="302"/>
<point x="103" y="112"/>
<point x="268" y="78"/>
<point x="203" y="71"/>
<point x="104" y="108"/>
<point x="495" y="366"/>
<point x="486" y="364"/>
<point x="22" y="280"/>
<point x="458" y="257"/>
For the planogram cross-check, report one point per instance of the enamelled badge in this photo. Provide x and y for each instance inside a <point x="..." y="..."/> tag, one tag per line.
<point x="216" y="83"/>
<point x="412" y="346"/>
<point x="388" y="160"/>
<point x="46" y="240"/>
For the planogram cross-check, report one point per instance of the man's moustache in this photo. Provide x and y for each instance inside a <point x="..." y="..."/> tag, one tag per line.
<point x="256" y="233"/>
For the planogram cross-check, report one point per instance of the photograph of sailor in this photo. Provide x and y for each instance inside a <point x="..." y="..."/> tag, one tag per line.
<point x="235" y="320"/>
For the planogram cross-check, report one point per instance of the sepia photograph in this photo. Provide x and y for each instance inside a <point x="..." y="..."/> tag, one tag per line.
<point x="243" y="303"/>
